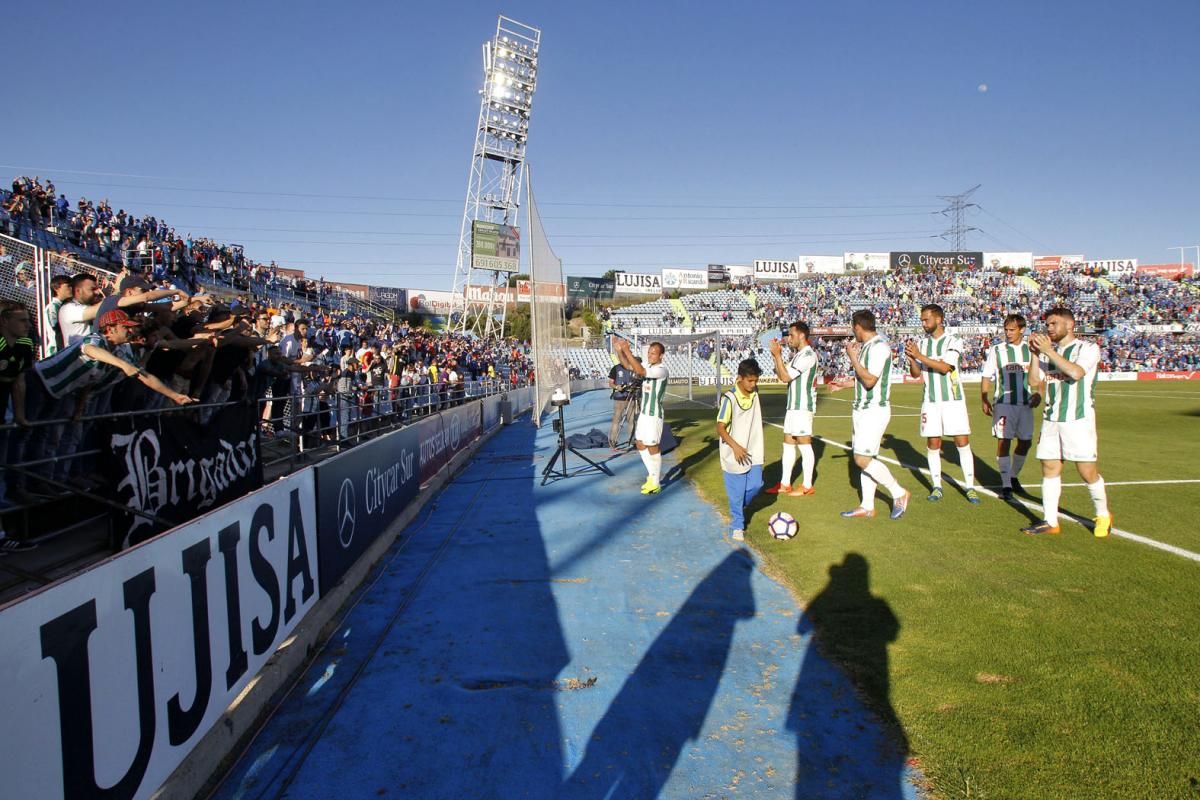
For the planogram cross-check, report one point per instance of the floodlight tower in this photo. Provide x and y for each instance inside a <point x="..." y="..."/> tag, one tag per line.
<point x="510" y="61"/>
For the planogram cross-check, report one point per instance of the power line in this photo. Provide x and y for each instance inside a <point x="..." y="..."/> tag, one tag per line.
<point x="589" y="217"/>
<point x="1016" y="230"/>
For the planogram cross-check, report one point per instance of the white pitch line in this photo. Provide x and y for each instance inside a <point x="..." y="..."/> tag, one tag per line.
<point x="1190" y="395"/>
<point x="1133" y="537"/>
<point x="851" y="416"/>
<point x="894" y="405"/>
<point x="1139" y="483"/>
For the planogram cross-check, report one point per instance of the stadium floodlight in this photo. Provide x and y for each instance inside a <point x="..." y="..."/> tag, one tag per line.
<point x="497" y="169"/>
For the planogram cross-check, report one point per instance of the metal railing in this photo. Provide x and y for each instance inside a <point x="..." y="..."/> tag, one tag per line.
<point x="295" y="429"/>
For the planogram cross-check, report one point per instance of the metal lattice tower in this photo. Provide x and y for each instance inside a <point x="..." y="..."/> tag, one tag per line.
<point x="510" y="61"/>
<point x="956" y="210"/>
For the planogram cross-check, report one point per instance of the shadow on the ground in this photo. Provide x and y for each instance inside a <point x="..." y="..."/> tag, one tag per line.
<point x="662" y="705"/>
<point x="837" y="755"/>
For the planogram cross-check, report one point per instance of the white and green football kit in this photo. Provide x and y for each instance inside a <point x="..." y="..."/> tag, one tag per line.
<point x="801" y="393"/>
<point x="872" y="411"/>
<point x="648" y="429"/>
<point x="943" y="404"/>
<point x="1069" y="410"/>
<point x="1007" y="367"/>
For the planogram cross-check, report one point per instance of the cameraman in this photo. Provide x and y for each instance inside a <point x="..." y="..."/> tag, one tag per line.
<point x="624" y="384"/>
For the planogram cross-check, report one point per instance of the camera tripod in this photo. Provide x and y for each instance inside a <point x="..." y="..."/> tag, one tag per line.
<point x="550" y="473"/>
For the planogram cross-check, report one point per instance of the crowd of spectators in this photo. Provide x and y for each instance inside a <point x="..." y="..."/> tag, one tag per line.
<point x="147" y="344"/>
<point x="94" y="231"/>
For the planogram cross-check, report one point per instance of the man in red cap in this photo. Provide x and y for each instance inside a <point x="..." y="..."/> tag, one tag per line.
<point x="57" y="387"/>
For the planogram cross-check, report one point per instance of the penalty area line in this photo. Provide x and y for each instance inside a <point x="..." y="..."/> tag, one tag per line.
<point x="1133" y="537"/>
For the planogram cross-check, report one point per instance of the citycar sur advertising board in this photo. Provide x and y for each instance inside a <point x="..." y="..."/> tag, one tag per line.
<point x="926" y="259"/>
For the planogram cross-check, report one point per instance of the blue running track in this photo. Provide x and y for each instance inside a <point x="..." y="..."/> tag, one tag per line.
<point x="577" y="640"/>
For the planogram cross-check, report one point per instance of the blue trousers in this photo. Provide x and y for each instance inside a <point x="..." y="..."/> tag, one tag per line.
<point x="741" y="490"/>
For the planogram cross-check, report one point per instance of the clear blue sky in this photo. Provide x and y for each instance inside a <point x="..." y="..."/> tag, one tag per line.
<point x="671" y="133"/>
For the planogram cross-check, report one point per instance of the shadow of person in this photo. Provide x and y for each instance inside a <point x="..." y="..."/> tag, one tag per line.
<point x="846" y="748"/>
<point x="680" y="469"/>
<point x="908" y="456"/>
<point x="662" y="705"/>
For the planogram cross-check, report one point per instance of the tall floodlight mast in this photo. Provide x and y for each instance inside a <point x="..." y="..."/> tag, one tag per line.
<point x="510" y="62"/>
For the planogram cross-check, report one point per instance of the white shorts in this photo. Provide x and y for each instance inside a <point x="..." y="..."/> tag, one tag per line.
<point x="1012" y="422"/>
<point x="945" y="419"/>
<point x="648" y="430"/>
<point x="1068" y="441"/>
<point x="798" y="423"/>
<point x="869" y="426"/>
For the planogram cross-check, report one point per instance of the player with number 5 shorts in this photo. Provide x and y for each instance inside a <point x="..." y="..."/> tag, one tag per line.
<point x="1008" y="400"/>
<point x="943" y="406"/>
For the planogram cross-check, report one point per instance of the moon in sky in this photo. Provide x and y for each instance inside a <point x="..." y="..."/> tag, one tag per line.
<point x="983" y="87"/>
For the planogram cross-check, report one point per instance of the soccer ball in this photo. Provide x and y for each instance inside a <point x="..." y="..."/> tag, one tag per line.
<point x="782" y="525"/>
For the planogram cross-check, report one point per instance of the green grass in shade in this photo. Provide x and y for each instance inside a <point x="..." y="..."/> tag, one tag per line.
<point x="1025" y="667"/>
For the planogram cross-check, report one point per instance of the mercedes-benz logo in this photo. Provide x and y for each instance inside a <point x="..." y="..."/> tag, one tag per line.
<point x="346" y="507"/>
<point x="455" y="431"/>
<point x="904" y="260"/>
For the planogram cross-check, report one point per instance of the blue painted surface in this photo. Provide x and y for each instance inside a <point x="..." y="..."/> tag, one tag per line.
<point x="577" y="640"/>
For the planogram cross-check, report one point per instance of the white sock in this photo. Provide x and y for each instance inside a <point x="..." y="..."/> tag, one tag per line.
<point x="966" y="459"/>
<point x="1051" y="491"/>
<point x="789" y="464"/>
<point x="868" y="490"/>
<point x="808" y="460"/>
<point x="656" y="467"/>
<point x="1004" y="463"/>
<point x="1099" y="497"/>
<point x="1018" y="461"/>
<point x="935" y="467"/>
<point x="645" y="454"/>
<point x="882" y="475"/>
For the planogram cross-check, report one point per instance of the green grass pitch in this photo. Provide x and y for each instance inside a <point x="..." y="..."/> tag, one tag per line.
<point x="1025" y="667"/>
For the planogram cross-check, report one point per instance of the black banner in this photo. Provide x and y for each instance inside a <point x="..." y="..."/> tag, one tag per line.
<point x="914" y="259"/>
<point x="174" y="467"/>
<point x="360" y="493"/>
<point x="389" y="297"/>
<point x="590" y="288"/>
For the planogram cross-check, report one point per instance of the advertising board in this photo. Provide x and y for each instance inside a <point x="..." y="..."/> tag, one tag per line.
<point x="866" y="262"/>
<point x="765" y="270"/>
<point x="638" y="283"/>
<point x="495" y="246"/>
<point x="930" y="259"/>
<point x="117" y="673"/>
<point x="685" y="279"/>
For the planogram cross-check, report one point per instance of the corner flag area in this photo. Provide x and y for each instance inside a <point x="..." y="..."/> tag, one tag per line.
<point x="581" y="640"/>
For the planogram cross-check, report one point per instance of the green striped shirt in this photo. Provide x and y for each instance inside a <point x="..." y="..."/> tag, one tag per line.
<point x="654" y="387"/>
<point x="1007" y="367"/>
<point x="1070" y="400"/>
<point x="876" y="358"/>
<point x="802" y="388"/>
<point x="941" y="388"/>
<point x="69" y="370"/>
